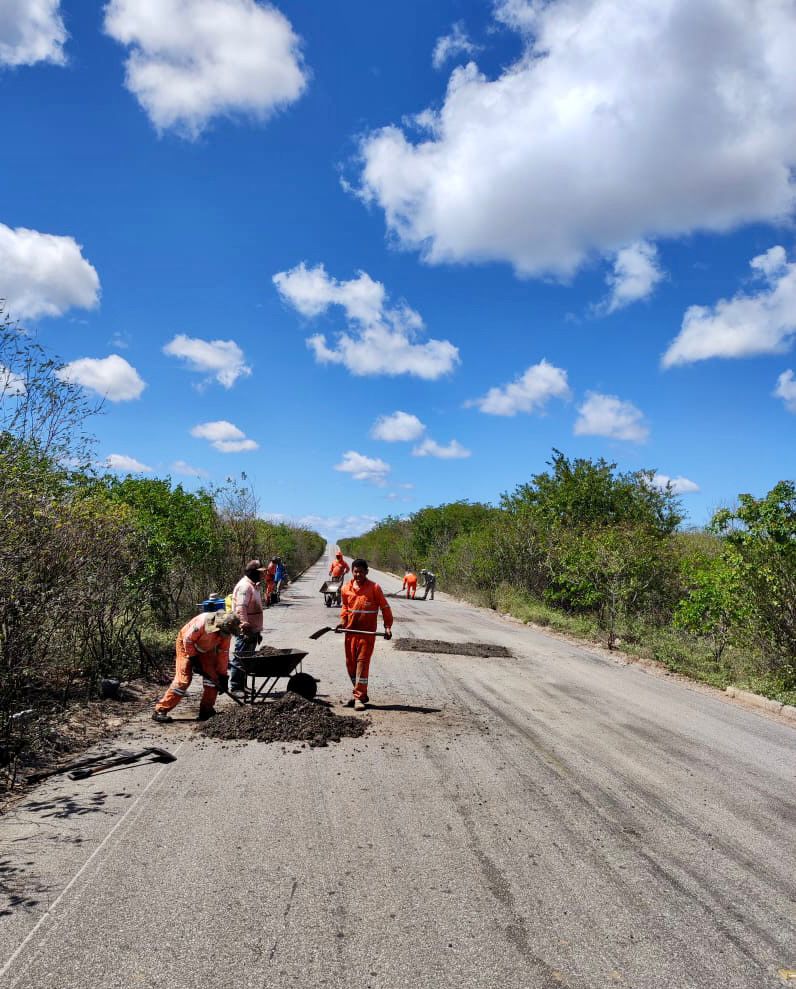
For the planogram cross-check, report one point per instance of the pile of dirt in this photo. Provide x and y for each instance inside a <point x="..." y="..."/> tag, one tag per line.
<point x="269" y="651"/>
<point x="484" y="650"/>
<point x="289" y="719"/>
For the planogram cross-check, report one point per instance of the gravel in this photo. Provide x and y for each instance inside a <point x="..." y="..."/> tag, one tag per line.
<point x="485" y="650"/>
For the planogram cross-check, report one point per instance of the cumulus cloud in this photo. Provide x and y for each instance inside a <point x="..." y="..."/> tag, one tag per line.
<point x="398" y="427"/>
<point x="220" y="359"/>
<point x="529" y="392"/>
<point x="112" y="377"/>
<point x="634" y="277"/>
<point x="31" y="31"/>
<point x="451" y="46"/>
<point x="430" y="448"/>
<point x="363" y="468"/>
<point x="11" y="383"/>
<point x="381" y="339"/>
<point x="187" y="470"/>
<point x="786" y="390"/>
<point x="331" y="527"/>
<point x="607" y="415"/>
<point x="677" y="485"/>
<point x="224" y="436"/>
<point x="192" y="60"/>
<point x="620" y="122"/>
<point x="44" y="274"/>
<point x="762" y="322"/>
<point x="126" y="465"/>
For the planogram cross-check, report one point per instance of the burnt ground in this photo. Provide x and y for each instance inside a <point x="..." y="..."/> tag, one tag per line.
<point x="289" y="719"/>
<point x="484" y="650"/>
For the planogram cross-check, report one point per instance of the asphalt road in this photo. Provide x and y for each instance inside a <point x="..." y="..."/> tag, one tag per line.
<point x="552" y="819"/>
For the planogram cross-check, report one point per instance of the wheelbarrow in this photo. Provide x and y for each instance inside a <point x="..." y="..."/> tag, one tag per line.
<point x="270" y="669"/>
<point x="331" y="592"/>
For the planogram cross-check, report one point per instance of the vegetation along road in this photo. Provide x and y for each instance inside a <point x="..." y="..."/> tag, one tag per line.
<point x="549" y="818"/>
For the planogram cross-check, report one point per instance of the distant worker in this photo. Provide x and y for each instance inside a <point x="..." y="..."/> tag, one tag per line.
<point x="270" y="578"/>
<point x="202" y="648"/>
<point x="429" y="582"/>
<point x="280" y="576"/>
<point x="247" y="604"/>
<point x="339" y="567"/>
<point x="362" y="600"/>
<point x="410" y="583"/>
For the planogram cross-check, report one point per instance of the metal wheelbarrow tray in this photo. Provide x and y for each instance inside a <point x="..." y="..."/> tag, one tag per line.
<point x="331" y="592"/>
<point x="274" y="667"/>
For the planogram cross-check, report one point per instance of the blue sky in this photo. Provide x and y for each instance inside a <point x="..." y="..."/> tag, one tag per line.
<point x="384" y="256"/>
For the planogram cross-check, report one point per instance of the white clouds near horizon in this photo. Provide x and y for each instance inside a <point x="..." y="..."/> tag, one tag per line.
<point x="187" y="470"/>
<point x="451" y="46"/>
<point x="381" y="339"/>
<point x="400" y="427"/>
<point x="111" y="377"/>
<point x="44" y="274"/>
<point x="363" y="468"/>
<point x="451" y="451"/>
<point x="636" y="272"/>
<point x="220" y="359"/>
<point x="786" y="390"/>
<point x="527" y="393"/>
<point x="11" y="384"/>
<point x="761" y="322"/>
<point x="31" y="31"/>
<point x="125" y="464"/>
<point x="193" y="60"/>
<point x="677" y="485"/>
<point x="619" y="123"/>
<point x="224" y="436"/>
<point x="607" y="415"/>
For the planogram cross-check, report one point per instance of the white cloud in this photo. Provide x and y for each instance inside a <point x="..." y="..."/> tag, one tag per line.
<point x="530" y="391"/>
<point x="620" y="122"/>
<point x="31" y="31"/>
<point x="430" y="448"/>
<point x="607" y="415"/>
<point x="679" y="485"/>
<point x="786" y="390"/>
<point x="398" y="427"/>
<point x="381" y="339"/>
<point x="112" y="377"/>
<point x="331" y="527"/>
<point x="760" y="323"/>
<point x="11" y="383"/>
<point x="192" y="60"/>
<point x="635" y="275"/>
<point x="221" y="359"/>
<point x="450" y="46"/>
<point x="127" y="465"/>
<point x="224" y="436"/>
<point x="363" y="468"/>
<point x="187" y="470"/>
<point x="44" y="274"/>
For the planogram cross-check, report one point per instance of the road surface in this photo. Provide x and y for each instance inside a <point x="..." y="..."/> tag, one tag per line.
<point x="552" y="819"/>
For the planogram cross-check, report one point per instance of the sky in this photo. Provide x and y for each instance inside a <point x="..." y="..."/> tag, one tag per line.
<point x="382" y="256"/>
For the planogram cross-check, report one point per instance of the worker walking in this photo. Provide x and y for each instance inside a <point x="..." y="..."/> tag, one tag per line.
<point x="202" y="647"/>
<point x="410" y="583"/>
<point x="362" y="600"/>
<point x="339" y="567"/>
<point x="430" y="583"/>
<point x="270" y="578"/>
<point x="247" y="604"/>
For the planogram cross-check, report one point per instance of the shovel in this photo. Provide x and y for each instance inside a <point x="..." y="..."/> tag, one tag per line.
<point x="328" y="628"/>
<point x="157" y="755"/>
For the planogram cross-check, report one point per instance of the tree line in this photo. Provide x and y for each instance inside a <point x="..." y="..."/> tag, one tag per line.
<point x="587" y="548"/>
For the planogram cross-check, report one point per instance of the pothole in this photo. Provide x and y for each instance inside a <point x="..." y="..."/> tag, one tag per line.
<point x="483" y="650"/>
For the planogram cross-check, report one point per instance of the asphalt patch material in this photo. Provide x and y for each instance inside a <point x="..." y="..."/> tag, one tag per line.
<point x="484" y="650"/>
<point x="289" y="719"/>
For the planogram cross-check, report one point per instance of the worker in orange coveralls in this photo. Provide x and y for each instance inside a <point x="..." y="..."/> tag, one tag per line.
<point x="202" y="646"/>
<point x="410" y="583"/>
<point x="339" y="567"/>
<point x="362" y="600"/>
<point x="270" y="580"/>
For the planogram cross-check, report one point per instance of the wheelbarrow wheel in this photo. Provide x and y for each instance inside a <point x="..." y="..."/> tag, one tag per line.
<point x="303" y="684"/>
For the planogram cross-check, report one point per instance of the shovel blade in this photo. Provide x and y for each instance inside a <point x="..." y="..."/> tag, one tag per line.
<point x="321" y="631"/>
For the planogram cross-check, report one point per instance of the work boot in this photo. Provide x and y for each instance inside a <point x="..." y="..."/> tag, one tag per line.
<point x="161" y="717"/>
<point x="359" y="705"/>
<point x="349" y="702"/>
<point x="206" y="715"/>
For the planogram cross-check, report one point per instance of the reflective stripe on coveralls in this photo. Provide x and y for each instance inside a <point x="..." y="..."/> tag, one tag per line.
<point x="213" y="647"/>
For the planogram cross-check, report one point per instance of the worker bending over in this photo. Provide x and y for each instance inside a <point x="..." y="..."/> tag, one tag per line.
<point x="339" y="567"/>
<point x="430" y="582"/>
<point x="410" y="583"/>
<point x="202" y="647"/>
<point x="362" y="600"/>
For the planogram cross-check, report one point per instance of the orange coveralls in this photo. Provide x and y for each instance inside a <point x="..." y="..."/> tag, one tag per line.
<point x="212" y="648"/>
<point x="270" y="578"/>
<point x="339" y="567"/>
<point x="410" y="583"/>
<point x="361" y="603"/>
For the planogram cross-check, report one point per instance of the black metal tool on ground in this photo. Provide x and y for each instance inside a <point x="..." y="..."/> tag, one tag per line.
<point x="80" y="764"/>
<point x="153" y="752"/>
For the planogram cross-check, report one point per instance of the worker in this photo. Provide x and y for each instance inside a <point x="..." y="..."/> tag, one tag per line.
<point x="270" y="577"/>
<point x="410" y="583"/>
<point x="247" y="604"/>
<point x="202" y="647"/>
<point x="339" y="567"/>
<point x="362" y="599"/>
<point x="430" y="582"/>
<point x="280" y="576"/>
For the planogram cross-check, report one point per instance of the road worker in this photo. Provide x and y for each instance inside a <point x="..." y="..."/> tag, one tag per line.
<point x="202" y="647"/>
<point x="280" y="576"/>
<point x="430" y="583"/>
<point x="339" y="567"/>
<point x="270" y="578"/>
<point x="410" y="583"/>
<point x="247" y="604"/>
<point x="362" y="599"/>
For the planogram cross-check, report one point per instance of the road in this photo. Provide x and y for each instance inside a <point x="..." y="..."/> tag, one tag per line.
<point x="552" y="819"/>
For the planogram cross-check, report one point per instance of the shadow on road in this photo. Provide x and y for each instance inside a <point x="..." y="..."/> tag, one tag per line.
<point x="406" y="708"/>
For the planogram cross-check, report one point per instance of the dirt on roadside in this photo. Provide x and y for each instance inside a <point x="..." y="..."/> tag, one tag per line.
<point x="483" y="650"/>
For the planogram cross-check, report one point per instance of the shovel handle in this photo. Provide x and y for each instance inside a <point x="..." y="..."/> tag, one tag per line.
<point x="359" y="631"/>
